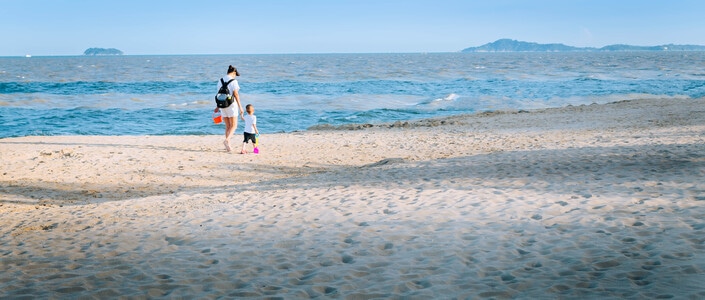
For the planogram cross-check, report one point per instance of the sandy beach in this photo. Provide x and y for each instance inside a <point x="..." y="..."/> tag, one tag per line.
<point x="596" y="201"/>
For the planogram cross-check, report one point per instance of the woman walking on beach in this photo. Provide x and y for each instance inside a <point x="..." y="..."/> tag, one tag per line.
<point x="228" y="113"/>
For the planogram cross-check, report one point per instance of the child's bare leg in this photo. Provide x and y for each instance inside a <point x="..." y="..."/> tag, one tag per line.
<point x="243" y="149"/>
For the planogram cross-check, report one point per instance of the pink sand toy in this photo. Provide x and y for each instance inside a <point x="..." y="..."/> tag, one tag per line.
<point x="256" y="150"/>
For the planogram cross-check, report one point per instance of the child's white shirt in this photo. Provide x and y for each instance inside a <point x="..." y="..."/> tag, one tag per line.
<point x="250" y="122"/>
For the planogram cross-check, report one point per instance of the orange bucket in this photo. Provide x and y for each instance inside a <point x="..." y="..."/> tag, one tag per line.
<point x="217" y="118"/>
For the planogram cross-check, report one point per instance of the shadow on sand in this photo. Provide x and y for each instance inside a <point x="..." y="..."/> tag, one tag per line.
<point x="608" y="171"/>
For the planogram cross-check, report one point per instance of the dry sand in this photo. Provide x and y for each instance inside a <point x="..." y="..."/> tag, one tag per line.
<point x="598" y="201"/>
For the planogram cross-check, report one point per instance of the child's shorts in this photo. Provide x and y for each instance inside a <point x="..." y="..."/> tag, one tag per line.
<point x="249" y="136"/>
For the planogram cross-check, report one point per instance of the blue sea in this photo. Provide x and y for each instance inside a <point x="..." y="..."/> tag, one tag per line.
<point x="173" y="95"/>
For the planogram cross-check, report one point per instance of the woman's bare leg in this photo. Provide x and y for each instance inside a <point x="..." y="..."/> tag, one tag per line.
<point x="229" y="130"/>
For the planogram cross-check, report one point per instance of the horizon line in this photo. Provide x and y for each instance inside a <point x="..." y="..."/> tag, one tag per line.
<point x="186" y="54"/>
<point x="580" y="49"/>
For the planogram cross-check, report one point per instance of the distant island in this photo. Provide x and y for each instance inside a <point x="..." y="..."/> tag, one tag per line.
<point x="509" y="45"/>
<point x="102" y="51"/>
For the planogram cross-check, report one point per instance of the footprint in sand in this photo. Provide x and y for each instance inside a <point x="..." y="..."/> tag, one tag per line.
<point x="607" y="264"/>
<point x="347" y="259"/>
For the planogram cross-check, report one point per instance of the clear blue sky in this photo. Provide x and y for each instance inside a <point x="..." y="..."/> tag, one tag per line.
<point x="68" y="27"/>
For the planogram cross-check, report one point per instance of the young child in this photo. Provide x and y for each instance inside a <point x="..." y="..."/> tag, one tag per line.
<point x="250" y="127"/>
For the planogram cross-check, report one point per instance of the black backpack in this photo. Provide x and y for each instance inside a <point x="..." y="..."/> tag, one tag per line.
<point x="224" y="98"/>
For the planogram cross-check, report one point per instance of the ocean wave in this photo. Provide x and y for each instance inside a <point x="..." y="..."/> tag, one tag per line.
<point x="104" y="87"/>
<point x="173" y="94"/>
<point x="469" y="88"/>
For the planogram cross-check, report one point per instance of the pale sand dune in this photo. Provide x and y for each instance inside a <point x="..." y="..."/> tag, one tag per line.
<point x="600" y="201"/>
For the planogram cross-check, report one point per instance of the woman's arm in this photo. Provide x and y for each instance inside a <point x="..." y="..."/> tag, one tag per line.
<point x="239" y="106"/>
